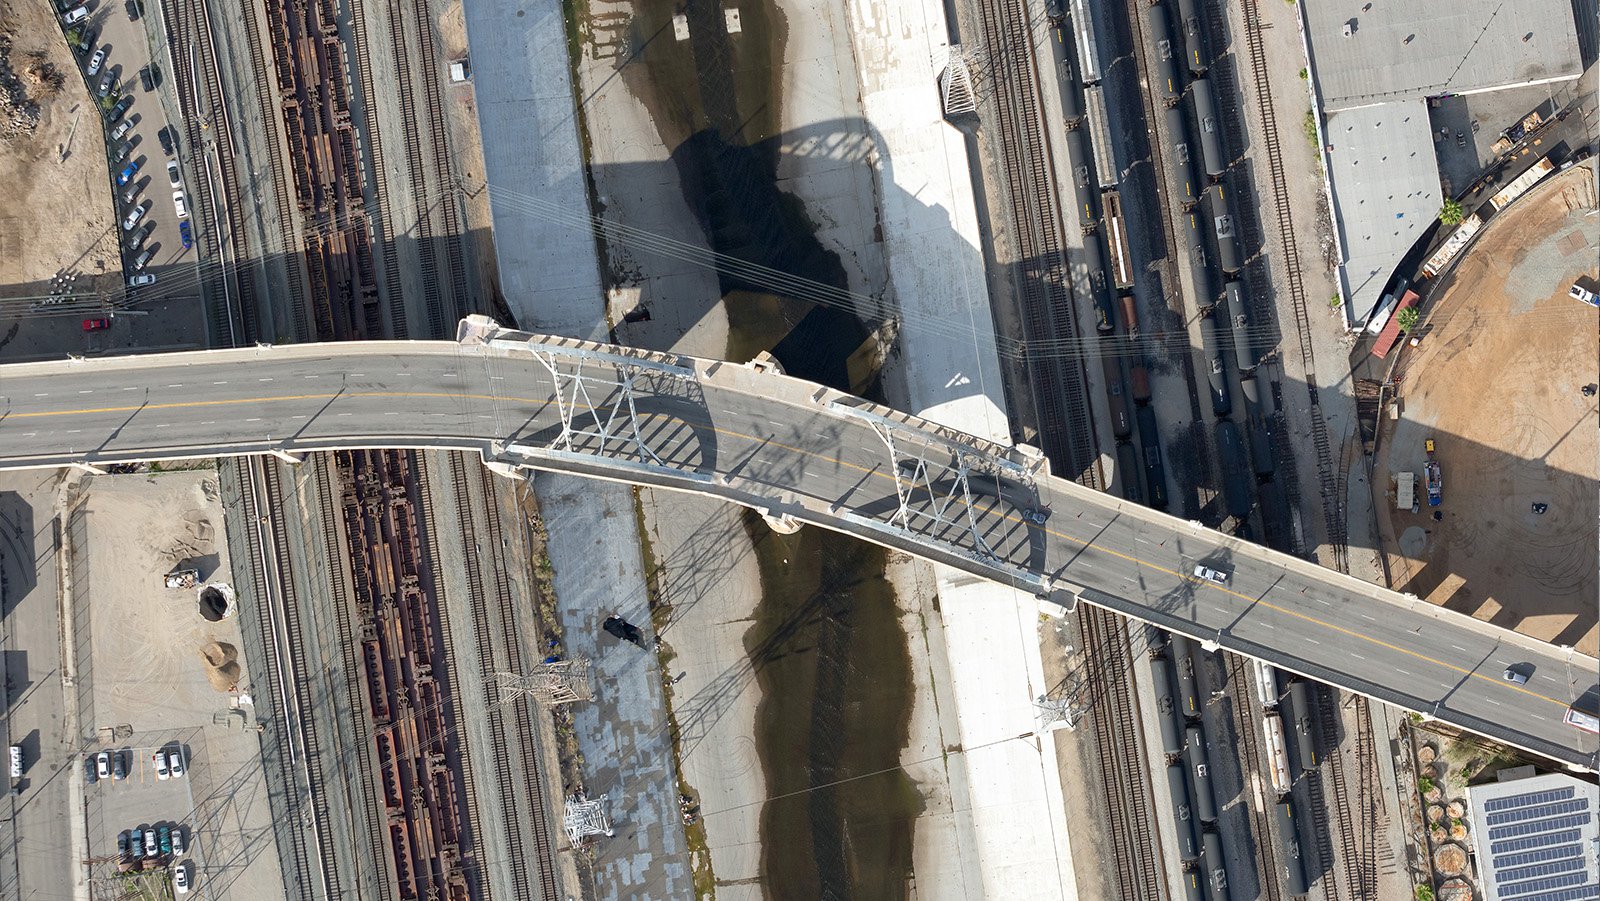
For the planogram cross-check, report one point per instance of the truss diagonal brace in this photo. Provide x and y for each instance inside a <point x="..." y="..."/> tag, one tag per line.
<point x="921" y="456"/>
<point x="609" y="399"/>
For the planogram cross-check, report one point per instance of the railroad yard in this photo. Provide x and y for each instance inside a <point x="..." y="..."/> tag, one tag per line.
<point x="408" y="683"/>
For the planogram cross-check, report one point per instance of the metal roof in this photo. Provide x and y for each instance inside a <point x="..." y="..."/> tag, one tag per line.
<point x="1385" y="181"/>
<point x="1372" y="52"/>
<point x="1536" y="838"/>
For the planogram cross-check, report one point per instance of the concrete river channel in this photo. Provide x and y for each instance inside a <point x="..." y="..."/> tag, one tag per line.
<point x="830" y="656"/>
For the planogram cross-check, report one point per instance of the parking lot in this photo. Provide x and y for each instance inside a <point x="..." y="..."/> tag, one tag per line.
<point x="156" y="674"/>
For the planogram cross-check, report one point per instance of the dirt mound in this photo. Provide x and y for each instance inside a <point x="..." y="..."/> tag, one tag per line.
<point x="221" y="669"/>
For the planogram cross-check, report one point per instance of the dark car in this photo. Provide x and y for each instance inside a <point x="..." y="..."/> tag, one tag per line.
<point x="127" y="173"/>
<point x="146" y="80"/>
<point x="135" y="10"/>
<point x="165" y="137"/>
<point x="90" y="776"/>
<point x="124" y="842"/>
<point x="118" y="111"/>
<point x="119" y="766"/>
<point x="164" y="837"/>
<point x="185" y="234"/>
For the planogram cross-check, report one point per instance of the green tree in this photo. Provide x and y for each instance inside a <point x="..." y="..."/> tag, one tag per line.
<point x="1451" y="213"/>
<point x="1408" y="319"/>
<point x="1423" y="893"/>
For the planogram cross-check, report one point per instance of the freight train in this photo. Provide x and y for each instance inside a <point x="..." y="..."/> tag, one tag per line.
<point x="1301" y="697"/>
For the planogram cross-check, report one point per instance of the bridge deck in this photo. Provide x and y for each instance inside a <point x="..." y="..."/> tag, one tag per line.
<point x="794" y="448"/>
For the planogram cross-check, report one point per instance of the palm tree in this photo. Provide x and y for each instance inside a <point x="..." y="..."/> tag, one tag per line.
<point x="1451" y="213"/>
<point x="1408" y="319"/>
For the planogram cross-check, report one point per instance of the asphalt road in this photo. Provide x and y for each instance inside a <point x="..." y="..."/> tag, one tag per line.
<point x="789" y="446"/>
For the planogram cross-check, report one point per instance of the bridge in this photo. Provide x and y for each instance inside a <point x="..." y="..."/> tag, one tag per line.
<point x="799" y="453"/>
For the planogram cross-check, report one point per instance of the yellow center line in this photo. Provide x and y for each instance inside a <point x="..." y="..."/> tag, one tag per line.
<point x="872" y="471"/>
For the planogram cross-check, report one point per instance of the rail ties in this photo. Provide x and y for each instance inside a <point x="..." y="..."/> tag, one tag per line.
<point x="1050" y="321"/>
<point x="483" y="608"/>
<point x="1245" y="724"/>
<point x="294" y="633"/>
<point x="1123" y="772"/>
<point x="1351" y="861"/>
<point x="1332" y="514"/>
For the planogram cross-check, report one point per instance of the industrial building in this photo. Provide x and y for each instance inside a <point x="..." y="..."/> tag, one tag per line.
<point x="1378" y="73"/>
<point x="1535" y="837"/>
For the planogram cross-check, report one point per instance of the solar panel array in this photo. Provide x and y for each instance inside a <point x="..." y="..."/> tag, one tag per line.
<point x="1536" y="846"/>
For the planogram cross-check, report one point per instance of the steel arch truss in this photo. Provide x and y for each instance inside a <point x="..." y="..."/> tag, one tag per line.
<point x="597" y="397"/>
<point x="934" y="476"/>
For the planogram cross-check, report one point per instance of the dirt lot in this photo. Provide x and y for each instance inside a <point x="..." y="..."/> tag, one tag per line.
<point x="1496" y="382"/>
<point x="57" y="213"/>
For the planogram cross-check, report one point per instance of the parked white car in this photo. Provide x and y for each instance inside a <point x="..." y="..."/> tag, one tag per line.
<point x="159" y="761"/>
<point x="179" y="204"/>
<point x="172" y="174"/>
<point x="1215" y="576"/>
<point x="96" y="61"/>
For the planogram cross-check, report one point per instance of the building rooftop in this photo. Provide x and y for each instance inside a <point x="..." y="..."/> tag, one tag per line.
<point x="1386" y="193"/>
<point x="1536" y="837"/>
<point x="1396" y="51"/>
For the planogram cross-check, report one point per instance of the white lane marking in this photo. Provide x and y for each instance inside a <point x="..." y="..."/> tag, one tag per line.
<point x="1537" y="717"/>
<point x="1322" y="602"/>
<point x="267" y="379"/>
<point x="219" y="383"/>
<point x="1269" y="625"/>
<point x="1494" y="702"/>
<point x="252" y="420"/>
<point x="358" y="374"/>
<point x="73" y="431"/>
<point x="1458" y="647"/>
<point x="1402" y="672"/>
<point x="174" y="386"/>
<point x="161" y="425"/>
<point x="1371" y="618"/>
<point x="310" y="376"/>
<point x="344" y="414"/>
<point x="1312" y="640"/>
<point x="209" y="422"/>
<point x="87" y="391"/>
<point x="449" y="375"/>
<point x="131" y="388"/>
<point x="498" y="378"/>
<point x="1358" y="656"/>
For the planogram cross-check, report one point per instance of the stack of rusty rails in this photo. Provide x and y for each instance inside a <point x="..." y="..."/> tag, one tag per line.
<point x="188" y="29"/>
<point x="1247" y="730"/>
<point x="1060" y="386"/>
<point x="380" y="180"/>
<point x="1124" y="778"/>
<point x="1369" y="795"/>
<point x="308" y="49"/>
<point x="416" y="747"/>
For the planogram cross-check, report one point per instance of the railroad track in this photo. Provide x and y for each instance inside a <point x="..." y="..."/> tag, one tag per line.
<point x="1123" y="774"/>
<point x="380" y="178"/>
<point x="1169" y="273"/>
<point x="359" y="795"/>
<point x="1050" y="321"/>
<point x="1352" y="862"/>
<point x="270" y="115"/>
<point x="482" y="606"/>
<point x="287" y="646"/>
<point x="432" y="237"/>
<point x="187" y="25"/>
<point x="511" y="634"/>
<point x="1247" y="726"/>
<point x="1332" y="513"/>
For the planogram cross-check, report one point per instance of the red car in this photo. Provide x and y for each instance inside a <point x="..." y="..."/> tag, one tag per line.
<point x="95" y="325"/>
